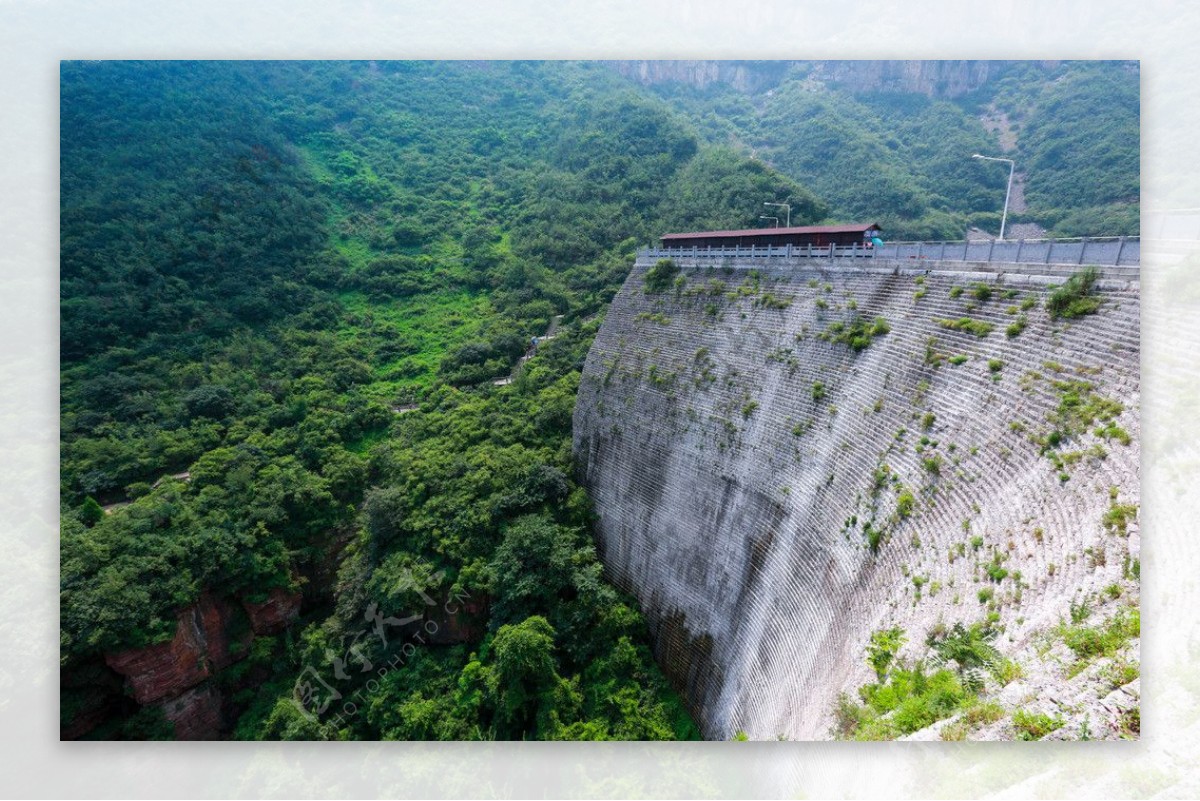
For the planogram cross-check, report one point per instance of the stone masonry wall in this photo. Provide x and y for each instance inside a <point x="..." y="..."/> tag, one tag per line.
<point x="741" y="460"/>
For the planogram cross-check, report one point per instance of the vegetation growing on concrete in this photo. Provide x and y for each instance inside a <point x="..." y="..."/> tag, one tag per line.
<point x="909" y="695"/>
<point x="1016" y="327"/>
<point x="981" y="292"/>
<point x="1074" y="299"/>
<point x="978" y="328"/>
<point x="1080" y="407"/>
<point x="1116" y="519"/>
<point x="654" y="317"/>
<point x="769" y="301"/>
<point x="1034" y="725"/>
<point x="858" y="335"/>
<point x="1088" y="643"/>
<point x="661" y="275"/>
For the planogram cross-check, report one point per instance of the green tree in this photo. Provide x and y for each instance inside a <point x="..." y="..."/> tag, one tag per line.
<point x="524" y="675"/>
<point x="882" y="650"/>
<point x="91" y="512"/>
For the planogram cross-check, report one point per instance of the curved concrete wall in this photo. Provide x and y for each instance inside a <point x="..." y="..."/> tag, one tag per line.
<point x="731" y="496"/>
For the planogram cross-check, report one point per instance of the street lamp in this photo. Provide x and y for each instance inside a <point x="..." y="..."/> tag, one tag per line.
<point x="763" y="217"/>
<point x="783" y="206"/>
<point x="1011" y="166"/>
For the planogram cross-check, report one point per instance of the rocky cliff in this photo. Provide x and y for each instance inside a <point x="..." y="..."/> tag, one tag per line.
<point x="176" y="677"/>
<point x="944" y="79"/>
<point x="186" y="677"/>
<point x="784" y="460"/>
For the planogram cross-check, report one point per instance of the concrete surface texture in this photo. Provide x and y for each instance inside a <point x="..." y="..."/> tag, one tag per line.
<point x="777" y="475"/>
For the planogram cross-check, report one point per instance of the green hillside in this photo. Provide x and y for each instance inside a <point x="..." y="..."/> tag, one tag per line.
<point x="903" y="158"/>
<point x="292" y="286"/>
<point x="259" y="262"/>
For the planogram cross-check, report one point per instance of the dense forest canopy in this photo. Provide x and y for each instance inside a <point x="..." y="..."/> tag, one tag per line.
<point x="287" y="290"/>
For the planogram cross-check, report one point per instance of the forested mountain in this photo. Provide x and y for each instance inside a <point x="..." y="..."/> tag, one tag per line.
<point x="892" y="141"/>
<point x="287" y="293"/>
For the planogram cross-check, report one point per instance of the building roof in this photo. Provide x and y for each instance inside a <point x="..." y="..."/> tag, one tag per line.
<point x="806" y="229"/>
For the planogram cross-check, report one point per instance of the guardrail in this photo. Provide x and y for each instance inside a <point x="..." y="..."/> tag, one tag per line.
<point x="1103" y="251"/>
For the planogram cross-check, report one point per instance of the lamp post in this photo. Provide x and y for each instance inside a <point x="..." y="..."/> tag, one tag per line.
<point x="782" y="206"/>
<point x="764" y="217"/>
<point x="1012" y="165"/>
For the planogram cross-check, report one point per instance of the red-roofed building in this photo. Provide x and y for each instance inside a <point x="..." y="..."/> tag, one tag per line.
<point x="815" y="235"/>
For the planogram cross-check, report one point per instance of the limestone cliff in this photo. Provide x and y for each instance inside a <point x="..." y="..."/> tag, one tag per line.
<point x="943" y="79"/>
<point x="777" y="473"/>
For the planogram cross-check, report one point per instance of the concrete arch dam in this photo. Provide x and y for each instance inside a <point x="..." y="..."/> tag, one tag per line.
<point x="776" y="453"/>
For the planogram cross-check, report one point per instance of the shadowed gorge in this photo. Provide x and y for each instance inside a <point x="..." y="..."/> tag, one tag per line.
<point x="785" y="460"/>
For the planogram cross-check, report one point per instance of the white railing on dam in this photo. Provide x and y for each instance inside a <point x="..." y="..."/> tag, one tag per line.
<point x="1101" y="251"/>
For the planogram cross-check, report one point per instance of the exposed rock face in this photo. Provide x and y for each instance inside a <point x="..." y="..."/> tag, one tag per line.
<point x="196" y="715"/>
<point x="456" y="620"/>
<point x="200" y="648"/>
<point x="745" y="76"/>
<point x="931" y="78"/>
<point x="741" y="465"/>
<point x="274" y="614"/>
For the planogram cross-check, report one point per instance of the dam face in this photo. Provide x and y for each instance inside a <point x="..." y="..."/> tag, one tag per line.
<point x="785" y="459"/>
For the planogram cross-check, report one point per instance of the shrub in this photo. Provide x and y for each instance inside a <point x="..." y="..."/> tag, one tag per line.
<point x="1015" y="328"/>
<point x="1114" y="431"/>
<point x="981" y="292"/>
<point x="1034" y="726"/>
<point x="858" y="335"/>
<point x="1091" y="641"/>
<point x="661" y="275"/>
<point x="91" y="512"/>
<point x="1121" y="672"/>
<point x="1073" y="299"/>
<point x="1007" y="672"/>
<point x="967" y="325"/>
<point x="769" y="301"/>
<point x="1116" y="519"/>
<point x="935" y="697"/>
<point x="995" y="571"/>
<point x="818" y="391"/>
<point x="882" y="649"/>
<point x="968" y="647"/>
<point x="874" y="537"/>
<point x="910" y="700"/>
